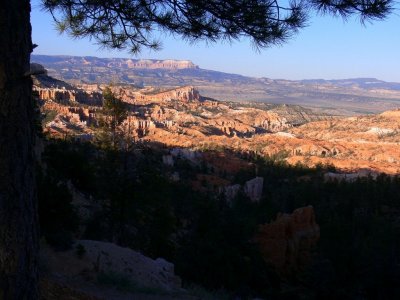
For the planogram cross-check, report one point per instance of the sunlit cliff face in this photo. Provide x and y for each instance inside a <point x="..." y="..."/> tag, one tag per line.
<point x="181" y="117"/>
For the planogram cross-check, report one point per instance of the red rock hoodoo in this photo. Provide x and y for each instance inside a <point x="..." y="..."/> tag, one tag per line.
<point x="286" y="244"/>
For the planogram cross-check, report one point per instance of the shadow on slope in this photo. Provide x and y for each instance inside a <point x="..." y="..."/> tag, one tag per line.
<point x="164" y="208"/>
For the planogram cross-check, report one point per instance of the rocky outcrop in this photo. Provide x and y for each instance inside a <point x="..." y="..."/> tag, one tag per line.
<point x="286" y="244"/>
<point x="64" y="96"/>
<point x="107" y="258"/>
<point x="254" y="188"/>
<point x="184" y="94"/>
<point x="272" y="123"/>
<point x="138" y="127"/>
<point x="58" y="95"/>
<point x="231" y="191"/>
<point x="149" y="95"/>
<point x="350" y="177"/>
<point x="232" y="127"/>
<point x="188" y="154"/>
<point x="77" y="115"/>
<point x="248" y="122"/>
<point x="168" y="160"/>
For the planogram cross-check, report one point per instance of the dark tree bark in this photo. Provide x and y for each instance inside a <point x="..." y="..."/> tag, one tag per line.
<point x="18" y="208"/>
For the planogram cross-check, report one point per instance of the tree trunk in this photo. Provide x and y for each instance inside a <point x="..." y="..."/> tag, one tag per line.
<point x="18" y="207"/>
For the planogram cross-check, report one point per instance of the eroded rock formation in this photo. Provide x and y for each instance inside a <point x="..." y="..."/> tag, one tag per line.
<point x="231" y="191"/>
<point x="185" y="94"/>
<point x="62" y="95"/>
<point x="180" y="117"/>
<point x="138" y="127"/>
<point x="286" y="244"/>
<point x="254" y="188"/>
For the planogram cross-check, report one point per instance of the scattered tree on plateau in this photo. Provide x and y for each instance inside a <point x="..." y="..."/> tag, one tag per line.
<point x="115" y="111"/>
<point x="116" y="24"/>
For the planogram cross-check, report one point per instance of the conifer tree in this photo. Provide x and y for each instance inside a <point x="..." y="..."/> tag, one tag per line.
<point x="114" y="112"/>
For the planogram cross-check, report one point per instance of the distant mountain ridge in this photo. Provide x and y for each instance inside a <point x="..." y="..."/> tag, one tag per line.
<point x="345" y="96"/>
<point x="173" y="64"/>
<point x="169" y="64"/>
<point x="365" y="83"/>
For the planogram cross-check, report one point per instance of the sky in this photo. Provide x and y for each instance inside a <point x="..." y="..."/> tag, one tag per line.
<point x="328" y="48"/>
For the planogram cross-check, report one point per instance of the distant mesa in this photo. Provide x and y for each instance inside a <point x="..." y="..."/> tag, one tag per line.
<point x="160" y="64"/>
<point x="126" y="63"/>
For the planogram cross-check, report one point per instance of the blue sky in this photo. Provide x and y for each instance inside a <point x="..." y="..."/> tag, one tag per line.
<point x="328" y="48"/>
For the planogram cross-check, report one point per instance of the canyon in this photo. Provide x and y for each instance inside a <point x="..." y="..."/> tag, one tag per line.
<point x="181" y="117"/>
<point x="335" y="97"/>
<point x="213" y="185"/>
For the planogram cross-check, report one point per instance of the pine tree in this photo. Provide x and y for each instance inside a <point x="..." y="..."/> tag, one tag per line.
<point x="114" y="113"/>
